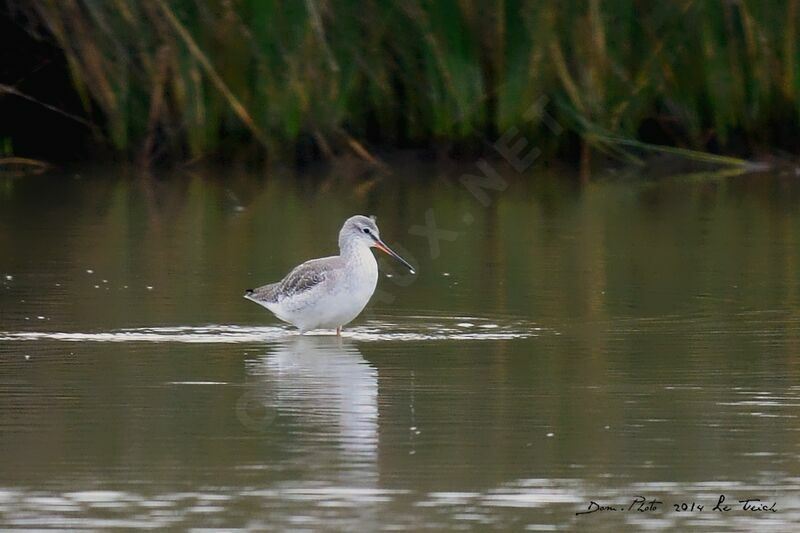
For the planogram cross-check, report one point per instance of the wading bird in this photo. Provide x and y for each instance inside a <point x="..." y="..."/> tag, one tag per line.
<point x="329" y="292"/>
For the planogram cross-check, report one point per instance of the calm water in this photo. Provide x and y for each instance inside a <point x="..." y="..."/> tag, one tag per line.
<point x="560" y="346"/>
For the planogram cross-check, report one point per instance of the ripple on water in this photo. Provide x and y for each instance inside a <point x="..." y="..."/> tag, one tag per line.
<point x="532" y="504"/>
<point x="416" y="328"/>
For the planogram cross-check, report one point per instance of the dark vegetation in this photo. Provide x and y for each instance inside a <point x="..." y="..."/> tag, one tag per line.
<point x="190" y="80"/>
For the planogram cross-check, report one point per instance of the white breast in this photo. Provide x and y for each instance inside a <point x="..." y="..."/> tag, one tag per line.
<point x="360" y="280"/>
<point x="339" y="299"/>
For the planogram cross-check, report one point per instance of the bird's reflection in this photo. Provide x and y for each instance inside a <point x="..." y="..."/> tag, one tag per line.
<point x="323" y="390"/>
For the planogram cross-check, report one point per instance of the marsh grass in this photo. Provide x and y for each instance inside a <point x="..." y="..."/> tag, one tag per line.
<point x="188" y="78"/>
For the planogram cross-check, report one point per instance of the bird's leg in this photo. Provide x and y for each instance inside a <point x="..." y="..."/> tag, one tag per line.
<point x="339" y="331"/>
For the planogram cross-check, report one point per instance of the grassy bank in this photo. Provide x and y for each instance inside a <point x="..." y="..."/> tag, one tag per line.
<point x="190" y="78"/>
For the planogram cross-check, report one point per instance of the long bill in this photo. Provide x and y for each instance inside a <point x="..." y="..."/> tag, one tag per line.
<point x="382" y="247"/>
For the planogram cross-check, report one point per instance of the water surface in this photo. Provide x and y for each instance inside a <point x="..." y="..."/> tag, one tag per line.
<point x="559" y="346"/>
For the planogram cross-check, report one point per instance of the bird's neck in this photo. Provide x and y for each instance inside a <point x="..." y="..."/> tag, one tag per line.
<point x="355" y="252"/>
<point x="361" y="269"/>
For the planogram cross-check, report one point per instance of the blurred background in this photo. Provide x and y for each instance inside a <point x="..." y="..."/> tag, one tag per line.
<point x="255" y="80"/>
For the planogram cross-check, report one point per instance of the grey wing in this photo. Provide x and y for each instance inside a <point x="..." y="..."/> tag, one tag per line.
<point x="301" y="279"/>
<point x="265" y="293"/>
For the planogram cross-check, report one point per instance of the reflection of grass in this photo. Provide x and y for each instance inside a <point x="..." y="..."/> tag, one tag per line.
<point x="197" y="76"/>
<point x="19" y="166"/>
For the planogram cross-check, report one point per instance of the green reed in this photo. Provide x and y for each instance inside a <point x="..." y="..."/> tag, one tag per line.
<point x="195" y="77"/>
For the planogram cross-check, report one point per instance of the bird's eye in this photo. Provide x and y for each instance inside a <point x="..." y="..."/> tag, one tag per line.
<point x="366" y="230"/>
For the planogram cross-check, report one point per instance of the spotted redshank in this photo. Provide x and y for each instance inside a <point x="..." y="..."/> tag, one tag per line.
<point x="329" y="292"/>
